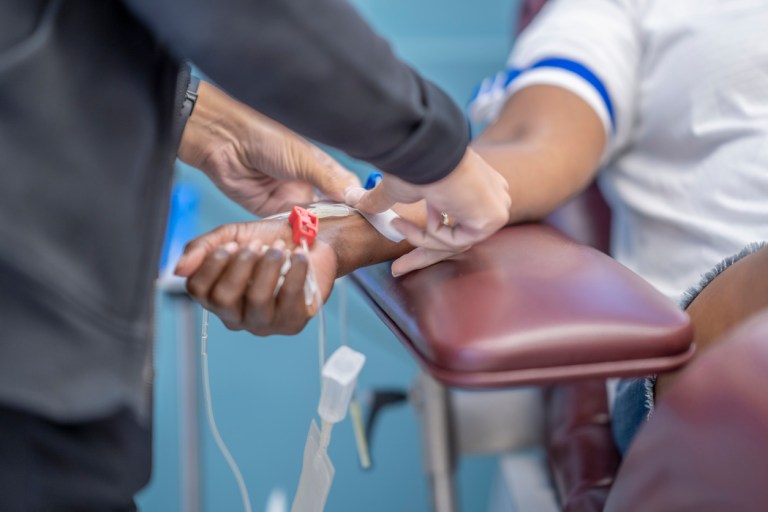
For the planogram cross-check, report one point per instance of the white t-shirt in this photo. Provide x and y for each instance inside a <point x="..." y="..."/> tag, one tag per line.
<point x="681" y="87"/>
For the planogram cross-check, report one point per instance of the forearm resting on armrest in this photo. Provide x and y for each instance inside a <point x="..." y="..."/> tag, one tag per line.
<point x="547" y="143"/>
<point x="357" y="244"/>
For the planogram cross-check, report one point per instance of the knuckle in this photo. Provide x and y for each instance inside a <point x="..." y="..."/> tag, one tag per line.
<point x="295" y="283"/>
<point x="191" y="245"/>
<point x="294" y="327"/>
<point x="258" y="296"/>
<point x="232" y="325"/>
<point x="491" y="223"/>
<point x="195" y="288"/>
<point x="222" y="298"/>
<point x="257" y="331"/>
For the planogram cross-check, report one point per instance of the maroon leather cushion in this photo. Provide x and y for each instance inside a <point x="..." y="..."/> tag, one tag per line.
<point x="528" y="306"/>
<point x="705" y="449"/>
<point x="581" y="452"/>
<point x="586" y="218"/>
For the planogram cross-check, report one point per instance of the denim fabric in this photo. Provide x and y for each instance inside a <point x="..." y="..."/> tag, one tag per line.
<point x="633" y="405"/>
<point x="634" y="399"/>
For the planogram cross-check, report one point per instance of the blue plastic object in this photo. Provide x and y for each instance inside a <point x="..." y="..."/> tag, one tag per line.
<point x="183" y="219"/>
<point x="373" y="179"/>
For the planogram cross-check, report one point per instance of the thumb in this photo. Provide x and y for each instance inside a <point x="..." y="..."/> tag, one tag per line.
<point x="328" y="176"/>
<point x="418" y="259"/>
<point x="370" y="201"/>
<point x="334" y="182"/>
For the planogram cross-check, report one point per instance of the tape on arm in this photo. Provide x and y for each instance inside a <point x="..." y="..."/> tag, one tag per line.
<point x="381" y="222"/>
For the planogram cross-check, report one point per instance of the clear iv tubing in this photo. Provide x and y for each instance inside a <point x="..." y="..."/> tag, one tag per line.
<point x="212" y="421"/>
<point x="355" y="411"/>
<point x="207" y="388"/>
<point x="320" y="314"/>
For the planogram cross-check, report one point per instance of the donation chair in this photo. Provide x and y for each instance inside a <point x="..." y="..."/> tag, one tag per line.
<point x="533" y="306"/>
<point x="529" y="306"/>
<point x="538" y="316"/>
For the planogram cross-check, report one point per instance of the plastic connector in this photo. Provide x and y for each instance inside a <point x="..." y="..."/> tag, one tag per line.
<point x="304" y="225"/>
<point x="373" y="179"/>
<point x="339" y="380"/>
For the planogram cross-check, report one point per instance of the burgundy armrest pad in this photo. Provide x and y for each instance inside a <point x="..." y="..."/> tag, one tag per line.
<point x="528" y="306"/>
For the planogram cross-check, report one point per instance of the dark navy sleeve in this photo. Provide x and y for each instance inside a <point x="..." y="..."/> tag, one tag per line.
<point x="318" y="67"/>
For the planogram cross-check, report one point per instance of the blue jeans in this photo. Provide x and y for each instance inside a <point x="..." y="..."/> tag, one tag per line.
<point x="634" y="400"/>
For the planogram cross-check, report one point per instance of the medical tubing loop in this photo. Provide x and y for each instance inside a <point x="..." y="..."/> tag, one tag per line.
<point x="212" y="420"/>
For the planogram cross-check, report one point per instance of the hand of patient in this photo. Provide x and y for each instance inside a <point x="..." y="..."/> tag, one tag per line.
<point x="233" y="275"/>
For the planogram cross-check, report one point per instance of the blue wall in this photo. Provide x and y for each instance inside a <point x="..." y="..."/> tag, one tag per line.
<point x="265" y="391"/>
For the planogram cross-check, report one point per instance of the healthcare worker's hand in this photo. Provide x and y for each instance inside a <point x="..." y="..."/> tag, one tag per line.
<point x="257" y="162"/>
<point x="463" y="208"/>
<point x="233" y="275"/>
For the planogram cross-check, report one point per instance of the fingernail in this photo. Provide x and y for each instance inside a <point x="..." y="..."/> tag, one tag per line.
<point x="274" y="254"/>
<point x="299" y="256"/>
<point x="279" y="244"/>
<point x="221" y="253"/>
<point x="352" y="195"/>
<point x="231" y="247"/>
<point x="246" y="253"/>
<point x="255" y="246"/>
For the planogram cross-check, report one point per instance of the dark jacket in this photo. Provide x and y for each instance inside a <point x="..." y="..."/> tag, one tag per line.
<point x="89" y="111"/>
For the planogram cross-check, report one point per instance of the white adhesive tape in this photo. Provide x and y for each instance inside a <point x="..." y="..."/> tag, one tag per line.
<point x="382" y="222"/>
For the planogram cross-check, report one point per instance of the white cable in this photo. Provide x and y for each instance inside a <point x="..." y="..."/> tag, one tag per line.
<point x="342" y="294"/>
<point x="355" y="410"/>
<point x="212" y="421"/>
<point x="321" y="334"/>
<point x="320" y="314"/>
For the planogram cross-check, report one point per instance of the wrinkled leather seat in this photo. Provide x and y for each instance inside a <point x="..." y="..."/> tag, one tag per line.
<point x="531" y="305"/>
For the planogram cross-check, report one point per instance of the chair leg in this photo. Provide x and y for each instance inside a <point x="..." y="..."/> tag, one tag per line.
<point x="432" y="402"/>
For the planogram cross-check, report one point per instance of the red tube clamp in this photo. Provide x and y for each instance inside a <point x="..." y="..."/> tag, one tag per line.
<point x="304" y="225"/>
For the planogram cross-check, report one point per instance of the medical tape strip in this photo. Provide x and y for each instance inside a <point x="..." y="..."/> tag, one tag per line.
<point x="317" y="474"/>
<point x="382" y="222"/>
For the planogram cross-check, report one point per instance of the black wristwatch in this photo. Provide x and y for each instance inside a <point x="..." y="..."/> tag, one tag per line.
<point x="190" y="98"/>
